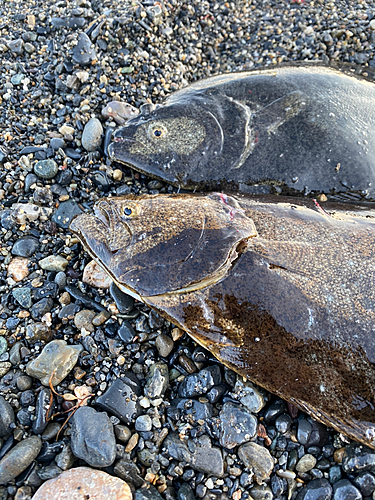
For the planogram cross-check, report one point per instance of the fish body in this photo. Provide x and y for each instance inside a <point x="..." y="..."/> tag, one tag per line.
<point x="279" y="290"/>
<point x="304" y="129"/>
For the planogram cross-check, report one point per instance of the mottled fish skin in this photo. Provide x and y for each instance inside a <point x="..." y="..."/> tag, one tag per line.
<point x="278" y="289"/>
<point x="305" y="129"/>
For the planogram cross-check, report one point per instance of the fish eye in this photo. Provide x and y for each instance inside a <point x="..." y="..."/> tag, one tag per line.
<point x="158" y="132"/>
<point x="127" y="211"/>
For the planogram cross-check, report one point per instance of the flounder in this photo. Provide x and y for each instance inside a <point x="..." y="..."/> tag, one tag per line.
<point x="303" y="129"/>
<point x="279" y="290"/>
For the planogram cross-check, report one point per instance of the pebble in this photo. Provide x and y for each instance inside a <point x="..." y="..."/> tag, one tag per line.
<point x="157" y="380"/>
<point x="119" y="111"/>
<point x="237" y="425"/>
<point x="56" y="360"/>
<point x="124" y="302"/>
<point x="5" y="366"/>
<point x="94" y="276"/>
<point x="317" y="489"/>
<point x="345" y="490"/>
<point x="83" y="320"/>
<point x="121" y="399"/>
<point x="6" y="418"/>
<point x="42" y="409"/>
<point x="3" y="345"/>
<point x="357" y="458"/>
<point x="147" y="492"/>
<point x="40" y="308"/>
<point x="122" y="433"/>
<point x="164" y="344"/>
<point x="19" y="458"/>
<point x="65" y="213"/>
<point x="55" y="263"/>
<point x="93" y="437"/>
<point x="195" y="409"/>
<point x="143" y="423"/>
<point x="248" y="395"/>
<point x="258" y="459"/>
<point x="25" y="247"/>
<point x="306" y="463"/>
<point x="200" y="383"/>
<point x="18" y="269"/>
<point x="365" y="482"/>
<point x="23" y="296"/>
<point x="92" y="135"/>
<point x="84" y="483"/>
<point x="126" y="332"/>
<point x="83" y="52"/>
<point x="46" y="169"/>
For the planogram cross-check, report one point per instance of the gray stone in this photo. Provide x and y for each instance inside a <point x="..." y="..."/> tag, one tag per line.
<point x="83" y="53"/>
<point x="258" y="459"/>
<point x="92" y="437"/>
<point x="237" y="425"/>
<point x="25" y="247"/>
<point x="261" y="493"/>
<point x="92" y="135"/>
<point x="306" y="463"/>
<point x="148" y="492"/>
<point x="164" y="344"/>
<point x="3" y="345"/>
<point x="46" y="169"/>
<point x="304" y="431"/>
<point x="124" y="302"/>
<point x="248" y="395"/>
<point x="42" y="410"/>
<point x="127" y="470"/>
<point x="23" y="296"/>
<point x="157" y="380"/>
<point x="345" y="490"/>
<point x="19" y="458"/>
<point x="200" y="383"/>
<point x="64" y="215"/>
<point x="53" y="263"/>
<point x="65" y="458"/>
<point x="358" y="458"/>
<point x="122" y="433"/>
<point x="143" y="423"/>
<point x="57" y="359"/>
<point x="317" y="489"/>
<point x="6" y="417"/>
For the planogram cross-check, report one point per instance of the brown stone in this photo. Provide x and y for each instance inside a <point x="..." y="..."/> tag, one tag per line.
<point x="95" y="276"/>
<point x="81" y="483"/>
<point x="18" y="269"/>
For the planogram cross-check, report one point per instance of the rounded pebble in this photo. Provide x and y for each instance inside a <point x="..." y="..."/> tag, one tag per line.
<point x="46" y="169"/>
<point x="92" y="135"/>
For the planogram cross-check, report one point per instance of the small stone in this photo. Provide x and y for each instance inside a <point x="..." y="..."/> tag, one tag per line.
<point x="83" y="320"/>
<point x="248" y="395"/>
<point x="53" y="263"/>
<point x="164" y="344"/>
<point x="65" y="213"/>
<point x="24" y="383"/>
<point x="92" y="135"/>
<point x="127" y="470"/>
<point x="57" y="143"/>
<point x="372" y="24"/>
<point x="357" y="458"/>
<point x="16" y="46"/>
<point x="42" y="410"/>
<point x="94" y="275"/>
<point x="200" y="383"/>
<point x="38" y="331"/>
<point x="126" y="332"/>
<point x="40" y="308"/>
<point x="57" y="359"/>
<point x="6" y="417"/>
<point x="60" y="280"/>
<point x="5" y="366"/>
<point x="117" y="175"/>
<point x="306" y="463"/>
<point x="122" y="433"/>
<point x="46" y="169"/>
<point x="344" y="489"/>
<point x="93" y="437"/>
<point x="18" y="269"/>
<point x="3" y="345"/>
<point x="121" y="398"/>
<point x="147" y="492"/>
<point x="317" y="489"/>
<point x="258" y="459"/>
<point x="124" y="302"/>
<point x="304" y="431"/>
<point x="195" y="409"/>
<point x="185" y="492"/>
<point x="119" y="111"/>
<point x="101" y="318"/>
<point x="237" y="425"/>
<point x="143" y="423"/>
<point x="157" y="380"/>
<point x="365" y="482"/>
<point x="23" y="296"/>
<point x="83" y="53"/>
<point x="65" y="458"/>
<point x="25" y="247"/>
<point x="19" y="458"/>
<point x="84" y="483"/>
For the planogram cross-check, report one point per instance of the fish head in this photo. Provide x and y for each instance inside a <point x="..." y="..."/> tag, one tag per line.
<point x="159" y="244"/>
<point x="170" y="142"/>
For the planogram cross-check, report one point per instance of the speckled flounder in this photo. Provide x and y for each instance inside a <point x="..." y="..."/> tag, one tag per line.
<point x="277" y="289"/>
<point x="301" y="128"/>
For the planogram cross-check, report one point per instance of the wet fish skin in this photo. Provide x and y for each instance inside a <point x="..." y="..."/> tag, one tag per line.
<point x="301" y="128"/>
<point x="280" y="290"/>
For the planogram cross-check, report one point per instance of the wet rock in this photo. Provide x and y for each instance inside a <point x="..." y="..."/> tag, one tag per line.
<point x="38" y="331"/>
<point x="23" y="296"/>
<point x="306" y="463"/>
<point x="157" y="380"/>
<point x="304" y="431"/>
<point x="344" y="489"/>
<point x="274" y="410"/>
<point x="92" y="135"/>
<point x="237" y="425"/>
<point x="53" y="263"/>
<point x="65" y="458"/>
<point x="365" y="482"/>
<point x="143" y="423"/>
<point x="83" y="53"/>
<point x="92" y="437"/>
<point x="126" y="332"/>
<point x="119" y="111"/>
<point x="42" y="410"/>
<point x="148" y="492"/>
<point x="65" y="213"/>
<point x="46" y="169"/>
<point x="197" y="410"/>
<point x="122" y="433"/>
<point x="358" y="458"/>
<point x="57" y="359"/>
<point x="40" y="308"/>
<point x="128" y="470"/>
<point x="16" y="46"/>
<point x="29" y="181"/>
<point x="3" y="345"/>
<point x="261" y="493"/>
<point x="48" y="289"/>
<point x="124" y="302"/>
<point x="6" y="418"/>
<point x="121" y="398"/>
<point x="24" y="383"/>
<point x="164" y="344"/>
<point x="200" y="383"/>
<point x="283" y="423"/>
<point x="18" y="268"/>
<point x="94" y="275"/>
<point x="25" y="247"/>
<point x="185" y="492"/>
<point x="248" y="395"/>
<point x="57" y="143"/>
<point x="258" y="459"/>
<point x="83" y="482"/>
<point x="19" y="458"/>
<point x="83" y="320"/>
<point x="317" y="489"/>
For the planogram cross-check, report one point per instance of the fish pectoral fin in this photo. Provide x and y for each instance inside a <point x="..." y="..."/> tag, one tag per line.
<point x="278" y="112"/>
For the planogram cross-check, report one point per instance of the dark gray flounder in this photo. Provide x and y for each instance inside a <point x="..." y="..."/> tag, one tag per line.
<point x="306" y="129"/>
<point x="281" y="292"/>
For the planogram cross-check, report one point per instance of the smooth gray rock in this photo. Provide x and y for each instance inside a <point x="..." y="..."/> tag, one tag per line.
<point x="6" y="417"/>
<point x="19" y="458"/>
<point x="92" y="135"/>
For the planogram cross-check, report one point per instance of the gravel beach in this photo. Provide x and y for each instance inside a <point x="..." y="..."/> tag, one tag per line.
<point x="158" y="416"/>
